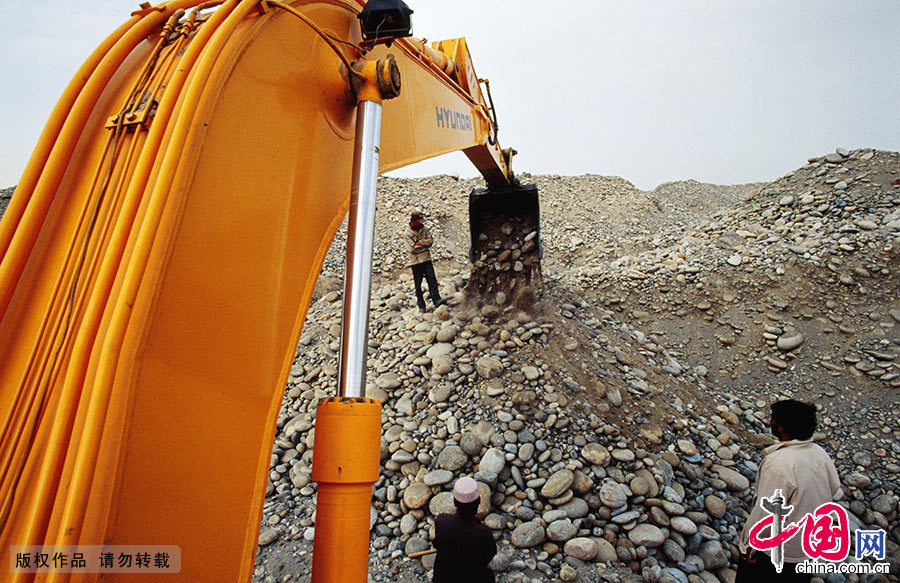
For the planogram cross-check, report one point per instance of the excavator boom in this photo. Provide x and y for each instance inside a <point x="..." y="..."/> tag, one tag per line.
<point x="159" y="256"/>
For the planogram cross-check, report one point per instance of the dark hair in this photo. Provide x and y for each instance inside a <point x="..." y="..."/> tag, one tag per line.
<point x="466" y="510"/>
<point x="798" y="419"/>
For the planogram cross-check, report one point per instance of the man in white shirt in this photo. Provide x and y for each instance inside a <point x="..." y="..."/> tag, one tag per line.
<point x="806" y="477"/>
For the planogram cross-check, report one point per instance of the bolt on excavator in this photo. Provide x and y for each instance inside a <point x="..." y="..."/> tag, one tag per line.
<point x="159" y="255"/>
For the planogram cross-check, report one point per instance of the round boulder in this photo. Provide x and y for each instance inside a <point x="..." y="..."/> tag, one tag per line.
<point x="647" y="535"/>
<point x="439" y="349"/>
<point x="612" y="495"/>
<point x="557" y="484"/>
<point x="528" y="535"/>
<point x="789" y="341"/>
<point x="493" y="461"/>
<point x="885" y="504"/>
<point x="416" y="495"/>
<point x="438" y="477"/>
<point x="595" y="454"/>
<point x="488" y="367"/>
<point x="561" y="530"/>
<point x="447" y="333"/>
<point x="713" y="555"/>
<point x="639" y="486"/>
<point x="575" y="508"/>
<point x="388" y="380"/>
<point x="268" y="536"/>
<point x="441" y="365"/>
<point x="442" y="503"/>
<point x="715" y="506"/>
<point x="735" y="481"/>
<point x="470" y="443"/>
<point x="683" y="525"/>
<point x="452" y="458"/>
<point x="582" y="548"/>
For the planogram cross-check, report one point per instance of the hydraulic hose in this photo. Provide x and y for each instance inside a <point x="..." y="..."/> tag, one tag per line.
<point x="86" y="458"/>
<point x="113" y="246"/>
<point x="49" y="135"/>
<point x="47" y="182"/>
<point x="19" y="248"/>
<point x="319" y="32"/>
<point x="137" y="199"/>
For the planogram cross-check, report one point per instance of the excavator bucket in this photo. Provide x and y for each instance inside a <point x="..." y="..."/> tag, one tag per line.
<point x="506" y="246"/>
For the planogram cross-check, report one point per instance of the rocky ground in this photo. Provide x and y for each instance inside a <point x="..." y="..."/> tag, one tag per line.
<point x="616" y="422"/>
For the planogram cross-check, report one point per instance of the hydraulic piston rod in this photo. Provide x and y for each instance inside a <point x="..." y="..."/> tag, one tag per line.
<point x="360" y="242"/>
<point x="348" y="428"/>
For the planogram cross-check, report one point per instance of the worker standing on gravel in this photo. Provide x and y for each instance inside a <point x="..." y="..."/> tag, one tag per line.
<point x="464" y="545"/>
<point x="418" y="242"/>
<point x="797" y="476"/>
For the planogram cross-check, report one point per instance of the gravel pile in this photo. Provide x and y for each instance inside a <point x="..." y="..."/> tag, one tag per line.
<point x="831" y="213"/>
<point x="615" y="426"/>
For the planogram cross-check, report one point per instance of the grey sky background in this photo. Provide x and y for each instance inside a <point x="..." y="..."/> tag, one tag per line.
<point x="723" y="91"/>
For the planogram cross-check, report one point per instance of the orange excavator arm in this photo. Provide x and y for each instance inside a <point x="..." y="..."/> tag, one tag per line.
<point x="443" y="109"/>
<point x="158" y="259"/>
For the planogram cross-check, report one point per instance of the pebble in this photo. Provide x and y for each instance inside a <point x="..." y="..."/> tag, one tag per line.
<point x="452" y="458"/>
<point x="438" y="478"/>
<point x="715" y="506"/>
<point x="647" y="535"/>
<point x="683" y="525"/>
<point x="789" y="341"/>
<point x="416" y="495"/>
<point x="612" y="495"/>
<point x="582" y="548"/>
<point x="686" y="447"/>
<point x="268" y="536"/>
<point x="561" y="530"/>
<point x="595" y="454"/>
<point x="528" y="535"/>
<point x="441" y="503"/>
<point x="884" y="503"/>
<point x="558" y="483"/>
<point x="733" y="480"/>
<point x="713" y="555"/>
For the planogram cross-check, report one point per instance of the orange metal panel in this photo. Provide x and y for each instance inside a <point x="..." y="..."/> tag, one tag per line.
<point x="155" y="284"/>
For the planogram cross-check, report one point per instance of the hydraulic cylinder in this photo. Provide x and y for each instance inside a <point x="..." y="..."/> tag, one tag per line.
<point x="345" y="465"/>
<point x="348" y="428"/>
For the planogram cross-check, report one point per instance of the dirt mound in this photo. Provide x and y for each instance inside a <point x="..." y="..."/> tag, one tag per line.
<point x="667" y="322"/>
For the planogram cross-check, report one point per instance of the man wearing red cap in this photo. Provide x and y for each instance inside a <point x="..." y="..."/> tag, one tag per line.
<point x="418" y="241"/>
<point x="464" y="545"/>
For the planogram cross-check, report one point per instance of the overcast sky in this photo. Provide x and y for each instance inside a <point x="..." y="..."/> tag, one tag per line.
<point x="724" y="91"/>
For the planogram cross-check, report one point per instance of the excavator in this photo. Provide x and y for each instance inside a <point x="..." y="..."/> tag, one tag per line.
<point x="158" y="258"/>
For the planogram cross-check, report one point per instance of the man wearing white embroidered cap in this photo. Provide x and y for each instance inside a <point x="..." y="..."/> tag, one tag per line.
<point x="464" y="545"/>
